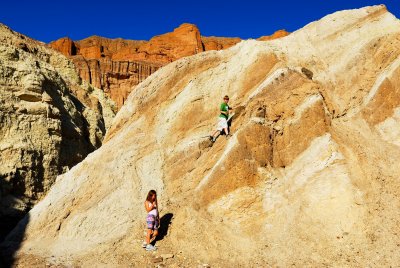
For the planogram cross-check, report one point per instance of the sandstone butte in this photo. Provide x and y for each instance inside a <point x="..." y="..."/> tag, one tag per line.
<point x="49" y="121"/>
<point x="117" y="65"/>
<point x="309" y="178"/>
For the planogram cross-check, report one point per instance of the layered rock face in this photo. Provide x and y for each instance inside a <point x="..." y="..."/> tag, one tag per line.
<point x="116" y="78"/>
<point x="49" y="121"/>
<point x="309" y="178"/>
<point x="108" y="64"/>
<point x="118" y="65"/>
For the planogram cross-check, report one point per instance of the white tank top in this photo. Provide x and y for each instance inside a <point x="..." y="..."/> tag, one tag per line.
<point x="154" y="211"/>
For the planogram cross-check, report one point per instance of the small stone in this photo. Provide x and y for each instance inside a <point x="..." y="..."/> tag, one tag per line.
<point x="157" y="259"/>
<point x="167" y="256"/>
<point x="46" y="97"/>
<point x="307" y="73"/>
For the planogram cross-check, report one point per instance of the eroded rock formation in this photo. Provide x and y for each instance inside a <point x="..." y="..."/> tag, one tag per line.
<point x="49" y="121"/>
<point x="118" y="65"/>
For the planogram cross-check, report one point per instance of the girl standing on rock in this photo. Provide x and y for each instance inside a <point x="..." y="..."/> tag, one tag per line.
<point x="152" y="219"/>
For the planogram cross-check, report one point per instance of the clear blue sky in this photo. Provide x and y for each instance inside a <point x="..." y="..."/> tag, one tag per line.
<point x="48" y="20"/>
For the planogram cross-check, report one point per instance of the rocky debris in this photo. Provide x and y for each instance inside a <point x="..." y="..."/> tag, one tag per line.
<point x="118" y="65"/>
<point x="309" y="160"/>
<point x="49" y="121"/>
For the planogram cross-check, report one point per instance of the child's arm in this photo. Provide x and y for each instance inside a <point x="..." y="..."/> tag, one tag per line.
<point x="148" y="206"/>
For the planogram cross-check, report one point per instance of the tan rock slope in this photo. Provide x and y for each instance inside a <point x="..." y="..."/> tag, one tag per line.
<point x="49" y="121"/>
<point x="118" y="65"/>
<point x="310" y="177"/>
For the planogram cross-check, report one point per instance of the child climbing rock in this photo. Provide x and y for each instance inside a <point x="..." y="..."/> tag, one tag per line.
<point x="222" y="119"/>
<point x="152" y="219"/>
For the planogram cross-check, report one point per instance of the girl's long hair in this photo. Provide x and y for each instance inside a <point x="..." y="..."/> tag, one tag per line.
<point x="150" y="194"/>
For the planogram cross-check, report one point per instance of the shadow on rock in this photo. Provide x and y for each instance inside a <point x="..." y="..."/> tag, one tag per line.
<point x="12" y="243"/>
<point x="165" y="222"/>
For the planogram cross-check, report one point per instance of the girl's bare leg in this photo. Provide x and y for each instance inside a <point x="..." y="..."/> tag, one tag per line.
<point x="154" y="236"/>
<point x="148" y="236"/>
<point x="155" y="233"/>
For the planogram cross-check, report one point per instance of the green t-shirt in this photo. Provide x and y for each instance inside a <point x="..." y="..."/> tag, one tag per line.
<point x="224" y="108"/>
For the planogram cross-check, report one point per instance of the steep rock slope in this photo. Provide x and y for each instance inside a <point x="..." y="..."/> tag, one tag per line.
<point x="118" y="65"/>
<point x="49" y="121"/>
<point x="310" y="176"/>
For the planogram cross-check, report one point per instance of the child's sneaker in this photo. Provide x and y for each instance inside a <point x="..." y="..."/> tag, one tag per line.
<point x="150" y="247"/>
<point x="144" y="244"/>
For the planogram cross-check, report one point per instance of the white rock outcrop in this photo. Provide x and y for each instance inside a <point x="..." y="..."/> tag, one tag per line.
<point x="49" y="121"/>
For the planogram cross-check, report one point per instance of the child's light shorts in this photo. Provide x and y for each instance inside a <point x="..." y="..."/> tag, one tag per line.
<point x="152" y="222"/>
<point x="222" y="123"/>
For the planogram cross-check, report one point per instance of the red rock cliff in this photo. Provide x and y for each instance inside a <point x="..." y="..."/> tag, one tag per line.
<point x="118" y="65"/>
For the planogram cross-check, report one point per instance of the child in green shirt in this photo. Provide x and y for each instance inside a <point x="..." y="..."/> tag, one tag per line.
<point x="222" y="119"/>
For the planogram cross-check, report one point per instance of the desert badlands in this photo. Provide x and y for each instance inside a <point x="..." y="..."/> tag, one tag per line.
<point x="309" y="177"/>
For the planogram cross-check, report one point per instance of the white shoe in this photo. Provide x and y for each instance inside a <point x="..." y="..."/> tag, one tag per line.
<point x="144" y="244"/>
<point x="150" y="247"/>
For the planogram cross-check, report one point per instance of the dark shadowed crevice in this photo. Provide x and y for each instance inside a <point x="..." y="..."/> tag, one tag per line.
<point x="12" y="243"/>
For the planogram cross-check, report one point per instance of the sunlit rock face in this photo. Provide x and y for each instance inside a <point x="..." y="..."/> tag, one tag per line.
<point x="310" y="176"/>
<point x="49" y="121"/>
